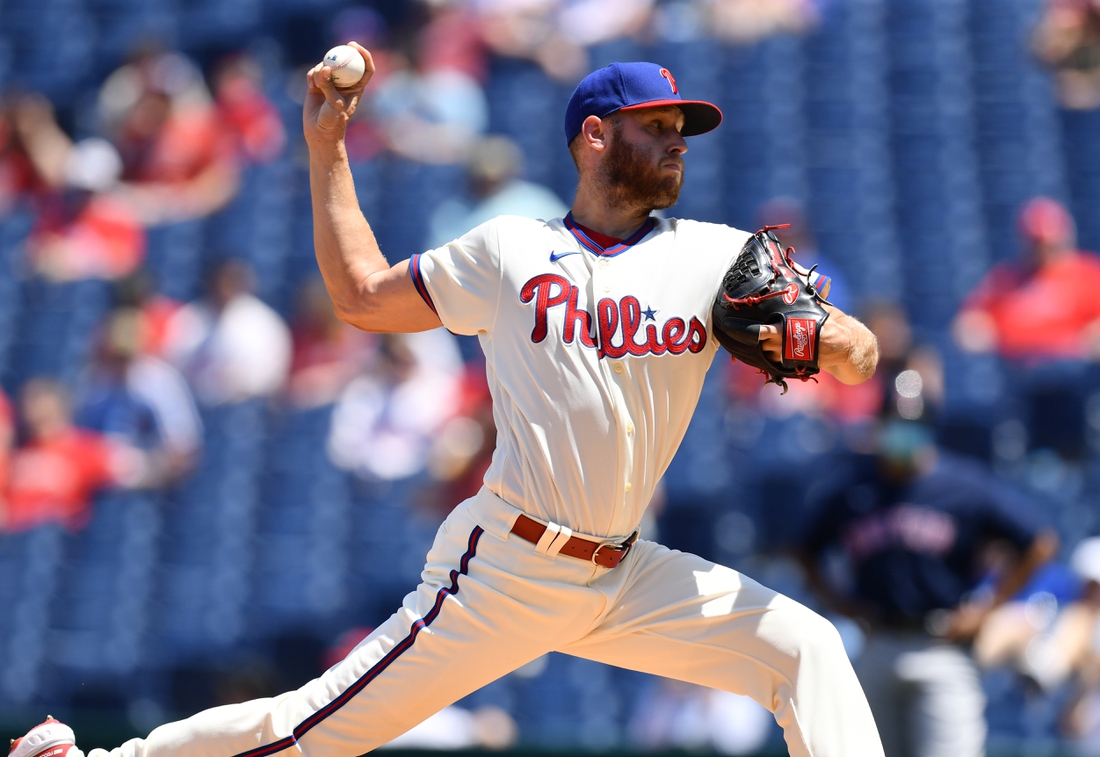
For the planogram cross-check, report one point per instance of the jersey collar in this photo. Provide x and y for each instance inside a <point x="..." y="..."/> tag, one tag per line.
<point x="593" y="246"/>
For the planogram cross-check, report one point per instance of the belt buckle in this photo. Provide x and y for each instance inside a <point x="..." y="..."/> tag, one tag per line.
<point x="622" y="546"/>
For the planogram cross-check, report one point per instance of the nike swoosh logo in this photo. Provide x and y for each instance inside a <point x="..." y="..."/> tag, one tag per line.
<point x="556" y="256"/>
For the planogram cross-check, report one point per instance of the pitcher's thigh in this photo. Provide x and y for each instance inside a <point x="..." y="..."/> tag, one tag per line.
<point x="683" y="617"/>
<point x="680" y="616"/>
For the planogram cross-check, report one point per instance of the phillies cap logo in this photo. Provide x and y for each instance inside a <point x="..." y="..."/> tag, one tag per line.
<point x="671" y="82"/>
<point x="630" y="86"/>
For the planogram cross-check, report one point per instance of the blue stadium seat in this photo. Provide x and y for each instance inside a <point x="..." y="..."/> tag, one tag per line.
<point x="302" y="543"/>
<point x="1079" y="129"/>
<point x="203" y="581"/>
<point x="31" y="562"/>
<point x="527" y="106"/>
<point x="175" y="259"/>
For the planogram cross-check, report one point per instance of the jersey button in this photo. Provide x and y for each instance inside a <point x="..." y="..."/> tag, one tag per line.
<point x="627" y="487"/>
<point x="607" y="287"/>
<point x="630" y="428"/>
<point x="603" y="262"/>
<point x="618" y="367"/>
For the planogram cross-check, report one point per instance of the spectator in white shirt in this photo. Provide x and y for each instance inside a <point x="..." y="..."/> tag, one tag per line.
<point x="230" y="346"/>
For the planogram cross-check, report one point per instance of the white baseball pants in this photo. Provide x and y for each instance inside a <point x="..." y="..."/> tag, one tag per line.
<point x="488" y="603"/>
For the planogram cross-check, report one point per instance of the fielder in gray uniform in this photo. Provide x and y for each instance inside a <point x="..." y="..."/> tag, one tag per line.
<point x="596" y="333"/>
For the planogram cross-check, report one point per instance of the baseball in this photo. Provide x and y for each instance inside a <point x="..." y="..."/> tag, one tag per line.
<point x="347" y="65"/>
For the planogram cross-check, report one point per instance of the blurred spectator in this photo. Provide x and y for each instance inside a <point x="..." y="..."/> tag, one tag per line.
<point x="1043" y="306"/>
<point x="229" y="345"/>
<point x="673" y="715"/>
<point x="1054" y="642"/>
<point x="327" y="353"/>
<point x="430" y="115"/>
<point x="1072" y="651"/>
<point x="743" y="22"/>
<point x="37" y="144"/>
<point x="241" y="104"/>
<point x="139" y="293"/>
<point x="924" y="547"/>
<point x="386" y="419"/>
<point x="555" y="34"/>
<point x="18" y="177"/>
<point x="494" y="188"/>
<point x="1067" y="40"/>
<point x="179" y="157"/>
<point x="83" y="231"/>
<point x="462" y="449"/>
<point x="103" y="400"/>
<point x="139" y="398"/>
<point x="59" y="467"/>
<point x="1040" y="633"/>
<point x="450" y="37"/>
<point x="909" y="374"/>
<point x="531" y="30"/>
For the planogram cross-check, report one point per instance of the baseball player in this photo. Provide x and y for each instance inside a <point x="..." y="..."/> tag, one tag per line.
<point x="596" y="333"/>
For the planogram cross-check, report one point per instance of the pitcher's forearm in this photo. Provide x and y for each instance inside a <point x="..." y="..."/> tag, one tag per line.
<point x="855" y="361"/>
<point x="347" y="252"/>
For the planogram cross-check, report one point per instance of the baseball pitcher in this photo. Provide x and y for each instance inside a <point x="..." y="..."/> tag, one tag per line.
<point x="597" y="330"/>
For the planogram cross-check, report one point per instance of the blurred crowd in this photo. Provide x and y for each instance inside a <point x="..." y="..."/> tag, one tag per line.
<point x="983" y="581"/>
<point x="1067" y="39"/>
<point x="167" y="141"/>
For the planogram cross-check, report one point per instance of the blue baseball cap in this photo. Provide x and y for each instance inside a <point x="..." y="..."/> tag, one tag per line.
<point x="629" y="86"/>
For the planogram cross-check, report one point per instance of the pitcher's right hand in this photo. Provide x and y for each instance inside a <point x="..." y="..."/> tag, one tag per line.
<point x="327" y="109"/>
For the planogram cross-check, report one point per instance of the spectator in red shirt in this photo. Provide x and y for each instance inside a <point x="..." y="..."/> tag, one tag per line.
<point x="247" y="112"/>
<point x="139" y="292"/>
<point x="180" y="158"/>
<point x="7" y="438"/>
<point x="59" y="467"/>
<point x="18" y="179"/>
<point x="83" y="231"/>
<point x="1043" y="306"/>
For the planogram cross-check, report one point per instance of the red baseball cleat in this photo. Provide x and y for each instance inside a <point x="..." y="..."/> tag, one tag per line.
<point x="49" y="739"/>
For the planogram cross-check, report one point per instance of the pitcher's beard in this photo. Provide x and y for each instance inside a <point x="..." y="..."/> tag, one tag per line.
<point x="631" y="181"/>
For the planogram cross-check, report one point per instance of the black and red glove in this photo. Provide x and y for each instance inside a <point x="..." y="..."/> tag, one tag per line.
<point x="763" y="286"/>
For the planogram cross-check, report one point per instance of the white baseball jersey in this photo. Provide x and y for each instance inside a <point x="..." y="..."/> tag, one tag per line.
<point x="595" y="357"/>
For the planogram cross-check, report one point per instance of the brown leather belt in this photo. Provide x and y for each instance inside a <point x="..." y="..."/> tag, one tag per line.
<point x="606" y="554"/>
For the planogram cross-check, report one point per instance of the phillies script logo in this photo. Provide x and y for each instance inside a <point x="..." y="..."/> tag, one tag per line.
<point x="624" y="318"/>
<point x="801" y="338"/>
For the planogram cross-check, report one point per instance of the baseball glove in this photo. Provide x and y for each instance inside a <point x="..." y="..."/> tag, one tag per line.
<point x="764" y="287"/>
